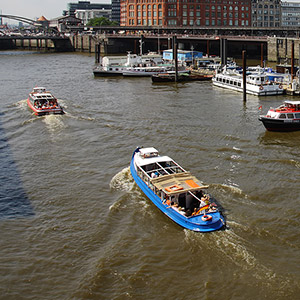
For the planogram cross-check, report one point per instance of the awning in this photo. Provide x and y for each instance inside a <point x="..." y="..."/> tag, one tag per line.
<point x="177" y="183"/>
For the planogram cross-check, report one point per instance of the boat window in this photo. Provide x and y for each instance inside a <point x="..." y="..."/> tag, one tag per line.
<point x="170" y="167"/>
<point x="282" y="116"/>
<point x="290" y="116"/>
<point x="297" y="115"/>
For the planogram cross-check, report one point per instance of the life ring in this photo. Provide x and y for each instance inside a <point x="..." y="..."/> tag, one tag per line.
<point x="280" y="86"/>
<point x="206" y="218"/>
<point x="173" y="188"/>
<point x="261" y="87"/>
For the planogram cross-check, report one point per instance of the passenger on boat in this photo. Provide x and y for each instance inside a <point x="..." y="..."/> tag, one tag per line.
<point x="188" y="213"/>
<point x="204" y="200"/>
<point x="154" y="174"/>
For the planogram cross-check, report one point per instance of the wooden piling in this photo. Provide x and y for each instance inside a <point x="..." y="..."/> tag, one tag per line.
<point x="175" y="45"/>
<point x="262" y="55"/>
<point x="244" y="53"/>
<point x="292" y="60"/>
<point x="97" y="53"/>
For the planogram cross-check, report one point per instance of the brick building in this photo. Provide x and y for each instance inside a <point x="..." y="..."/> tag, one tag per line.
<point x="168" y="13"/>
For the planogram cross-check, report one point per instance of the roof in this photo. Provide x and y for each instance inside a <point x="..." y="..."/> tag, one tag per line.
<point x="42" y="19"/>
<point x="183" y="181"/>
<point x="150" y="150"/>
<point x="292" y="102"/>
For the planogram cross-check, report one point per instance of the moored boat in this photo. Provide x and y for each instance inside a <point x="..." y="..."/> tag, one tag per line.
<point x="286" y="117"/>
<point x="256" y="83"/>
<point x="42" y="102"/>
<point x="153" y="70"/>
<point x="170" y="77"/>
<point x="116" y="65"/>
<point x="177" y="193"/>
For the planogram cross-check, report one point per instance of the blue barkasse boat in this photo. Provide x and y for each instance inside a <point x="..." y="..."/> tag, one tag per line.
<point x="176" y="192"/>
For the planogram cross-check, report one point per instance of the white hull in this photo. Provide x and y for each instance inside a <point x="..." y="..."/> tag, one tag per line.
<point x="257" y="86"/>
<point x="250" y="89"/>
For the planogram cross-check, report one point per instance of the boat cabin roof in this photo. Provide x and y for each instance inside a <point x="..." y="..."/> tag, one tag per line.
<point x="292" y="102"/>
<point x="177" y="183"/>
<point x="148" y="152"/>
<point x="39" y="90"/>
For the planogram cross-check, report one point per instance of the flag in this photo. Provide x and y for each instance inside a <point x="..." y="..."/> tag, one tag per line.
<point x="204" y="207"/>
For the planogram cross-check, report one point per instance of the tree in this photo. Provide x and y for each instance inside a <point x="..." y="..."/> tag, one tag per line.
<point x="102" y="21"/>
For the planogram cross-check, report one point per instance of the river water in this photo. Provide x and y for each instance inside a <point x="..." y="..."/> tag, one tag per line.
<point x="75" y="226"/>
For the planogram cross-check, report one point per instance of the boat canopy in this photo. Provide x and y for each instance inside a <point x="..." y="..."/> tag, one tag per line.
<point x="148" y="152"/>
<point x="292" y="102"/>
<point x="39" y="90"/>
<point x="177" y="183"/>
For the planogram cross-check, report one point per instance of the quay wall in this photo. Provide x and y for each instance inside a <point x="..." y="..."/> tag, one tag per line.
<point x="280" y="49"/>
<point x="276" y="49"/>
<point x="113" y="45"/>
<point x="46" y="44"/>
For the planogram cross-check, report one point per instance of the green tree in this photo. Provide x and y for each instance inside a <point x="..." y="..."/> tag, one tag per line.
<point x="102" y="21"/>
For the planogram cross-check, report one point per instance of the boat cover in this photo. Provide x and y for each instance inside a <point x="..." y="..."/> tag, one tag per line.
<point x="177" y="183"/>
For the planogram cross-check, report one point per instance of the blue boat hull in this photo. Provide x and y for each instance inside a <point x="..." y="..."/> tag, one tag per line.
<point x="194" y="223"/>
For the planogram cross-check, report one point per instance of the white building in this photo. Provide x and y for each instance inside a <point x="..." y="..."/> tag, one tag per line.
<point x="290" y="14"/>
<point x="87" y="14"/>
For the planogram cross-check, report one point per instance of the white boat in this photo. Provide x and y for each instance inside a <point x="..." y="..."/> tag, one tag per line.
<point x="116" y="65"/>
<point x="152" y="70"/>
<point x="42" y="102"/>
<point x="286" y="117"/>
<point x="256" y="83"/>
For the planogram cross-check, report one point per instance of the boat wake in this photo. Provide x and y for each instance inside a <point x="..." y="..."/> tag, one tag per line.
<point x="54" y="123"/>
<point x="122" y="181"/>
<point x="22" y="104"/>
<point x="232" y="248"/>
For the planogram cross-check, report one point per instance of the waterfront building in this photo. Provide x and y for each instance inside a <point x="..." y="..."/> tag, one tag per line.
<point x="115" y="11"/>
<point x="290" y="14"/>
<point x="62" y="23"/>
<point x="84" y="5"/>
<point x="42" y="21"/>
<point x="169" y="13"/>
<point x="87" y="14"/>
<point x="266" y="13"/>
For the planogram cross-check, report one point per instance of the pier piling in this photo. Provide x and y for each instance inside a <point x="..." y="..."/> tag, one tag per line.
<point x="244" y="53"/>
